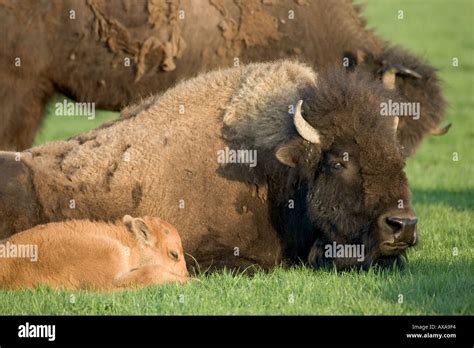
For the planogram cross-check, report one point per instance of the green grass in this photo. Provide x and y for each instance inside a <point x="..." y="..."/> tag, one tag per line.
<point x="58" y="128"/>
<point x="427" y="286"/>
<point x="435" y="282"/>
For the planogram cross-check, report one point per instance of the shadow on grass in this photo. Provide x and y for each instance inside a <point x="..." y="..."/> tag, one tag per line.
<point x="432" y="287"/>
<point x="460" y="200"/>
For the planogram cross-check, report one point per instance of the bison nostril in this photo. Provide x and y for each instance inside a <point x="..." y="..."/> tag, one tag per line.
<point x="396" y="224"/>
<point x="403" y="229"/>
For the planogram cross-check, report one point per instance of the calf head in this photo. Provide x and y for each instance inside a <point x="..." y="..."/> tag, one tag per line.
<point x="350" y="166"/>
<point x="159" y="243"/>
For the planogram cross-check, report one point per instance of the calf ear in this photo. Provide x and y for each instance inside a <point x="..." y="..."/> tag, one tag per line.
<point x="290" y="153"/>
<point x="139" y="228"/>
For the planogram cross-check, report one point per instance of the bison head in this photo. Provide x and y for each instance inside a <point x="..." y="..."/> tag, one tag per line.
<point x="414" y="80"/>
<point x="352" y="202"/>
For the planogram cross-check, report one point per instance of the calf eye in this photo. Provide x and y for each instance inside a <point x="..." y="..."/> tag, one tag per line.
<point x="336" y="165"/>
<point x="174" y="255"/>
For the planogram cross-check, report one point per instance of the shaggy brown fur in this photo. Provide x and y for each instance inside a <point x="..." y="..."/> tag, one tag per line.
<point x="82" y="254"/>
<point x="426" y="91"/>
<point x="157" y="161"/>
<point x="85" y="57"/>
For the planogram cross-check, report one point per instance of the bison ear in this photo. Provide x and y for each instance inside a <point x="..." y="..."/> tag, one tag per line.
<point x="139" y="228"/>
<point x="351" y="60"/>
<point x="289" y="153"/>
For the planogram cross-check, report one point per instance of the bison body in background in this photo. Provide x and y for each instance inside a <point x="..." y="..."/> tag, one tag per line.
<point x="114" y="53"/>
<point x="301" y="183"/>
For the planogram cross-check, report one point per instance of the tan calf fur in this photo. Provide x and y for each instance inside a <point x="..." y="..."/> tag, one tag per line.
<point x="81" y="254"/>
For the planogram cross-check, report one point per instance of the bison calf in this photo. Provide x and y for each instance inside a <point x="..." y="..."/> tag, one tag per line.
<point x="81" y="254"/>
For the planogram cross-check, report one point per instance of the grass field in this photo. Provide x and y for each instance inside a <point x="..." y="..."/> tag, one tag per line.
<point x="439" y="278"/>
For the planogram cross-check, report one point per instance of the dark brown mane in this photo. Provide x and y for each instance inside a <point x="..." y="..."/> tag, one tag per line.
<point x="351" y="99"/>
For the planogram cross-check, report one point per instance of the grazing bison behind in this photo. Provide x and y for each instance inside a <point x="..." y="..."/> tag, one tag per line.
<point x="260" y="164"/>
<point x="82" y="254"/>
<point x="113" y="53"/>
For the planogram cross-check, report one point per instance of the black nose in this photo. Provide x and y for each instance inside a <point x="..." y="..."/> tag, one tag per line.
<point x="404" y="228"/>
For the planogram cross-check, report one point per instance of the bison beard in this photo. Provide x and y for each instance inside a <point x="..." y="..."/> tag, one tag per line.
<point x="155" y="161"/>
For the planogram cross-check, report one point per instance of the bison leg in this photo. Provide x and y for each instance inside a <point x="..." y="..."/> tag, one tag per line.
<point x="146" y="276"/>
<point x="19" y="209"/>
<point x="23" y="104"/>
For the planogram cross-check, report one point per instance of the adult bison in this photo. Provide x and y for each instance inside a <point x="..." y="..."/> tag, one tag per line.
<point x="113" y="53"/>
<point x="223" y="159"/>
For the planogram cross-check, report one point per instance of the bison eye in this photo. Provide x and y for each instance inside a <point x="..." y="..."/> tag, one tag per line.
<point x="174" y="255"/>
<point x="336" y="165"/>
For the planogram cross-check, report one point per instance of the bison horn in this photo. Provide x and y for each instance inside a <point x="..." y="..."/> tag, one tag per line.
<point x="388" y="79"/>
<point x="396" y="120"/>
<point x="391" y="72"/>
<point x="441" y="131"/>
<point x="403" y="70"/>
<point x="304" y="129"/>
